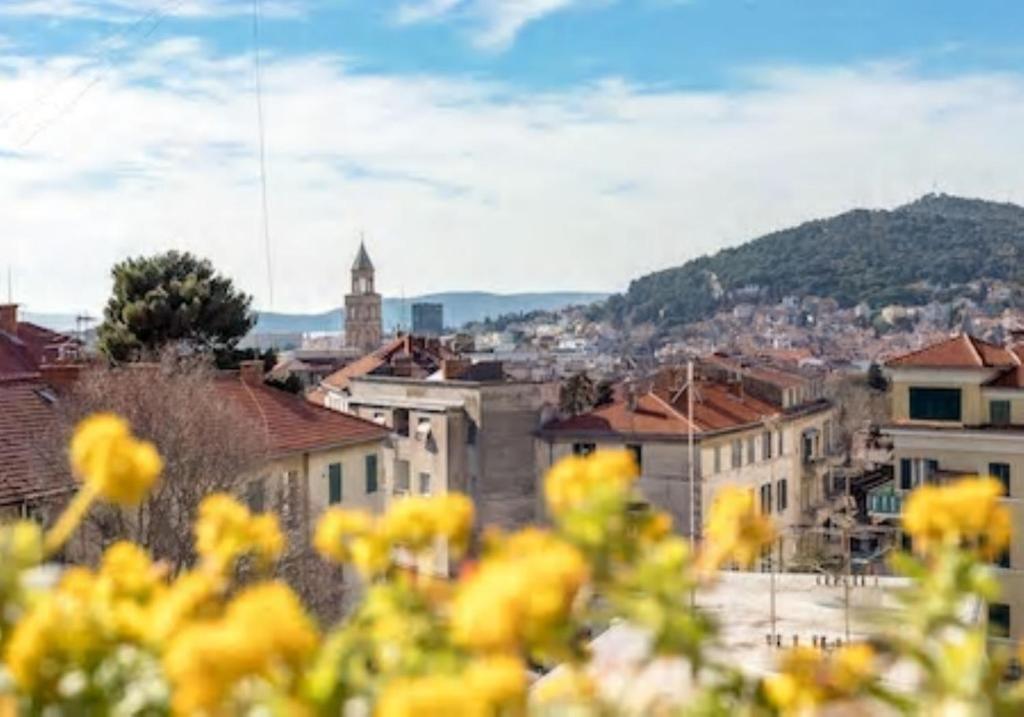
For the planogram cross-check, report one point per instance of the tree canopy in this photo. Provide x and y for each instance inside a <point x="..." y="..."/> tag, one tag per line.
<point x="172" y="298"/>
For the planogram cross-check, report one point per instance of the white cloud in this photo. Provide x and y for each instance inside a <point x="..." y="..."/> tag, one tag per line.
<point x="495" y="23"/>
<point x="460" y="184"/>
<point x="131" y="11"/>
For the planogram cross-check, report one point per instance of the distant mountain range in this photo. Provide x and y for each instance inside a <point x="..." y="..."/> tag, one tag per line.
<point x="460" y="307"/>
<point x="910" y="255"/>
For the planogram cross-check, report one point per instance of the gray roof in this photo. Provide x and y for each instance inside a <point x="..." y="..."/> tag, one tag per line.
<point x="362" y="262"/>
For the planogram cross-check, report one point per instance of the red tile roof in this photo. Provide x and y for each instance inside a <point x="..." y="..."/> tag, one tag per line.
<point x="959" y="351"/>
<point x="26" y="415"/>
<point x="716" y="407"/>
<point x="426" y="359"/>
<point x="23" y="352"/>
<point x="293" y="424"/>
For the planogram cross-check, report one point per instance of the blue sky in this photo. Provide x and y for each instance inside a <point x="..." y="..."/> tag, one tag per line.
<point x="486" y="144"/>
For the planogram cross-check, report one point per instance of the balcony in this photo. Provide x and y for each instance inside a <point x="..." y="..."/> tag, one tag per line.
<point x="885" y="503"/>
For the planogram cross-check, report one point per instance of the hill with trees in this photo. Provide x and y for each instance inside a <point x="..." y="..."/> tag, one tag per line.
<point x="910" y="255"/>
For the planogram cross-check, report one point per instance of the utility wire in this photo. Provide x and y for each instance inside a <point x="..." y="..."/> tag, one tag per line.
<point x="257" y="9"/>
<point x="159" y="17"/>
<point x="122" y="33"/>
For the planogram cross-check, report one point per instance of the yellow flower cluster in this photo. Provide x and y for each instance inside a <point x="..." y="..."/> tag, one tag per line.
<point x="121" y="468"/>
<point x="490" y="686"/>
<point x="520" y="592"/>
<point x="263" y="634"/>
<point x="807" y="678"/>
<point x="574" y="482"/>
<point x="736" y="530"/>
<point x="88" y="612"/>
<point x="415" y="523"/>
<point x="965" y="513"/>
<point x="226" y="530"/>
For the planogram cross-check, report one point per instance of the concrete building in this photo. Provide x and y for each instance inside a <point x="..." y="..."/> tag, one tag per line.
<point x="779" y="450"/>
<point x="466" y="428"/>
<point x="958" y="409"/>
<point x="363" y="306"/>
<point x="428" y="319"/>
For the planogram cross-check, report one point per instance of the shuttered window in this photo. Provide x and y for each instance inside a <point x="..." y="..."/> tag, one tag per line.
<point x="334" y="483"/>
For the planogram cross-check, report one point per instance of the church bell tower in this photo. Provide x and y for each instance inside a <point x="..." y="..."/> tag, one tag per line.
<point x="363" y="327"/>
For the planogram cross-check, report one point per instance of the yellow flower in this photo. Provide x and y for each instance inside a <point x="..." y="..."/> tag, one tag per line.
<point x="807" y="678"/>
<point x="797" y="688"/>
<point x="410" y="523"/>
<point x="226" y="530"/>
<point x="21" y="544"/>
<point x="104" y="454"/>
<point x="430" y="696"/>
<point x="567" y="685"/>
<point x="736" y="530"/>
<point x="191" y="595"/>
<point x="499" y="682"/>
<point x="264" y="633"/>
<point x="519" y="593"/>
<point x="453" y="520"/>
<point x="965" y="513"/>
<point x="336" y="529"/>
<point x="574" y="481"/>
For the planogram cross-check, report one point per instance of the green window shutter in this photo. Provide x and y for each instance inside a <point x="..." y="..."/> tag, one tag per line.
<point x="371" y="473"/>
<point x="334" y="483"/>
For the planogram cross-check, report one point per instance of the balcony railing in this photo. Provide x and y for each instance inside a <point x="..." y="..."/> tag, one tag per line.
<point x="885" y="503"/>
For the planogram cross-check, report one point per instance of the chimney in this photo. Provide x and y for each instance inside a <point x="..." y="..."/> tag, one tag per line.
<point x="631" y="397"/>
<point x="453" y="368"/>
<point x="60" y="376"/>
<point x="401" y="365"/>
<point x="9" y="318"/>
<point x="251" y="372"/>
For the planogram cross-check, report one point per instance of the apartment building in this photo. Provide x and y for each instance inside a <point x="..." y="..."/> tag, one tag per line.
<point x="467" y="427"/>
<point x="776" y="448"/>
<point x="958" y="409"/>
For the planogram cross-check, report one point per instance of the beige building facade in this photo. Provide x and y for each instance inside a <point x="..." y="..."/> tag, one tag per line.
<point x="958" y="409"/>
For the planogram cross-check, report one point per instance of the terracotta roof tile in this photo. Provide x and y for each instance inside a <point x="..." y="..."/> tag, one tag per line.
<point x="26" y="414"/>
<point x="959" y="351"/>
<point x="717" y="407"/>
<point x="293" y="424"/>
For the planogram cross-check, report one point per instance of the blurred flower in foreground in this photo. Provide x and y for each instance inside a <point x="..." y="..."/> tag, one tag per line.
<point x="966" y="513"/>
<point x="736" y="530"/>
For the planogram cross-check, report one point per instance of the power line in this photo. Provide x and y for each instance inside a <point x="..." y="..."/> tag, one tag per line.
<point x="68" y="107"/>
<point x="257" y="9"/>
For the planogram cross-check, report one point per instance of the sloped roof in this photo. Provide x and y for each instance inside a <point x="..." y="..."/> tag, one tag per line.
<point x="362" y="262"/>
<point x="716" y="407"/>
<point x="959" y="351"/>
<point x="26" y="417"/>
<point x="22" y="353"/>
<point x="422" y="355"/>
<point x="293" y="424"/>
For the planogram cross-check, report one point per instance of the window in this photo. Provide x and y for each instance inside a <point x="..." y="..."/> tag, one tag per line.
<point x="998" y="619"/>
<point x="766" y="498"/>
<point x="781" y="496"/>
<point x="402" y="421"/>
<point x="737" y="454"/>
<point x="766" y="446"/>
<point x="934" y="404"/>
<point x="718" y="459"/>
<point x="401" y="477"/>
<point x="1001" y="471"/>
<point x="254" y="496"/>
<point x="471" y="431"/>
<point x="371" y="473"/>
<point x="422" y="427"/>
<point x="782" y="444"/>
<point x="751" y="449"/>
<point x="999" y="413"/>
<point x="1003" y="559"/>
<point x="826" y="430"/>
<point x="334" y="483"/>
<point x="906" y="474"/>
<point x="638" y="454"/>
<point x="424" y="484"/>
<point x="583" y="449"/>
